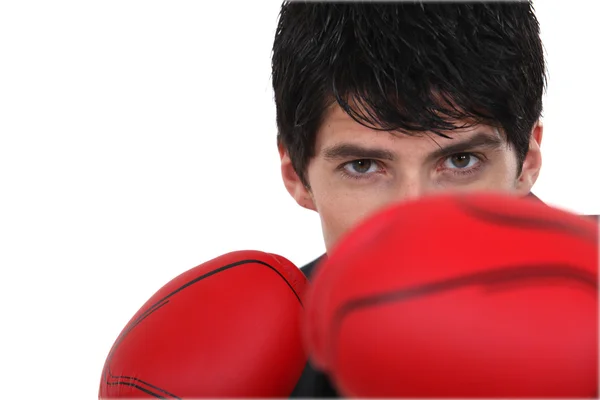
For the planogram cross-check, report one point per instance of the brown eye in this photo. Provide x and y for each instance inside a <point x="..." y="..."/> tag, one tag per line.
<point x="461" y="160"/>
<point x="361" y="166"/>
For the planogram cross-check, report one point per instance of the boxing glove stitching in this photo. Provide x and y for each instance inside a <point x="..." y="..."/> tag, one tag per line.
<point x="119" y="377"/>
<point x="144" y="389"/>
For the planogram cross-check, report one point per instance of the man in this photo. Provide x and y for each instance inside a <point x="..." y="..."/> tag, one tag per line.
<point x="376" y="103"/>
<point x="384" y="102"/>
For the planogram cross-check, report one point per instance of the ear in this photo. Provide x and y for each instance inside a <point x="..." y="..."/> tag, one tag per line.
<point x="292" y="182"/>
<point x="533" y="161"/>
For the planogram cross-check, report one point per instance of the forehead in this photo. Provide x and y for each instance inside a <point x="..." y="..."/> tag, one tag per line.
<point x="338" y="127"/>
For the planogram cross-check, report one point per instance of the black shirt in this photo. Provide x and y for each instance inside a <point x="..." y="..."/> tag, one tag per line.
<point x="313" y="383"/>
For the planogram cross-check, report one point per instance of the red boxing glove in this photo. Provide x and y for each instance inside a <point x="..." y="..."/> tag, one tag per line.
<point x="479" y="295"/>
<point x="227" y="328"/>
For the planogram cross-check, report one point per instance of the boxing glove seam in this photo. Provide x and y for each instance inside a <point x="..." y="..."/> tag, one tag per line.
<point x="519" y="221"/>
<point x="485" y="278"/>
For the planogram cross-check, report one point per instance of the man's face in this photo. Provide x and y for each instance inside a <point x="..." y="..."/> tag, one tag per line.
<point x="357" y="170"/>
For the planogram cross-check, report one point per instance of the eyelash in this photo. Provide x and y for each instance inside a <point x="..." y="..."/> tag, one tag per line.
<point x="460" y="172"/>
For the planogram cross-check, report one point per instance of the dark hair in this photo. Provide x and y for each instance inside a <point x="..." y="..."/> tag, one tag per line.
<point x="410" y="67"/>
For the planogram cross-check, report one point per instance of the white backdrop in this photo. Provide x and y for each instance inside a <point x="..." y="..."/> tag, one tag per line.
<point x="137" y="140"/>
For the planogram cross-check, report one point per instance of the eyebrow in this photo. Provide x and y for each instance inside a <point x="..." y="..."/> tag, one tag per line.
<point x="349" y="150"/>
<point x="480" y="140"/>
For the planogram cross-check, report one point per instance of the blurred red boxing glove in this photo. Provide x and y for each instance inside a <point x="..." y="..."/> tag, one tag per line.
<point x="478" y="295"/>
<point x="227" y="328"/>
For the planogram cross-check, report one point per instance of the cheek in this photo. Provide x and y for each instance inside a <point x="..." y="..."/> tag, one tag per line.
<point x="340" y="212"/>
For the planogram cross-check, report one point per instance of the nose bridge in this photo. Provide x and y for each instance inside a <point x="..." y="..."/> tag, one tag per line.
<point x="411" y="190"/>
<point x="412" y="185"/>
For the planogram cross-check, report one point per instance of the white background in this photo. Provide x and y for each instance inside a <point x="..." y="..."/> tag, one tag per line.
<point x="137" y="140"/>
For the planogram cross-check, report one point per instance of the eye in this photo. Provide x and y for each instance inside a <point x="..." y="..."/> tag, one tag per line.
<point x="361" y="167"/>
<point x="461" y="161"/>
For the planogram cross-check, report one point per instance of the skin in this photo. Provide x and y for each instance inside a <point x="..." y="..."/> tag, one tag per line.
<point x="357" y="170"/>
